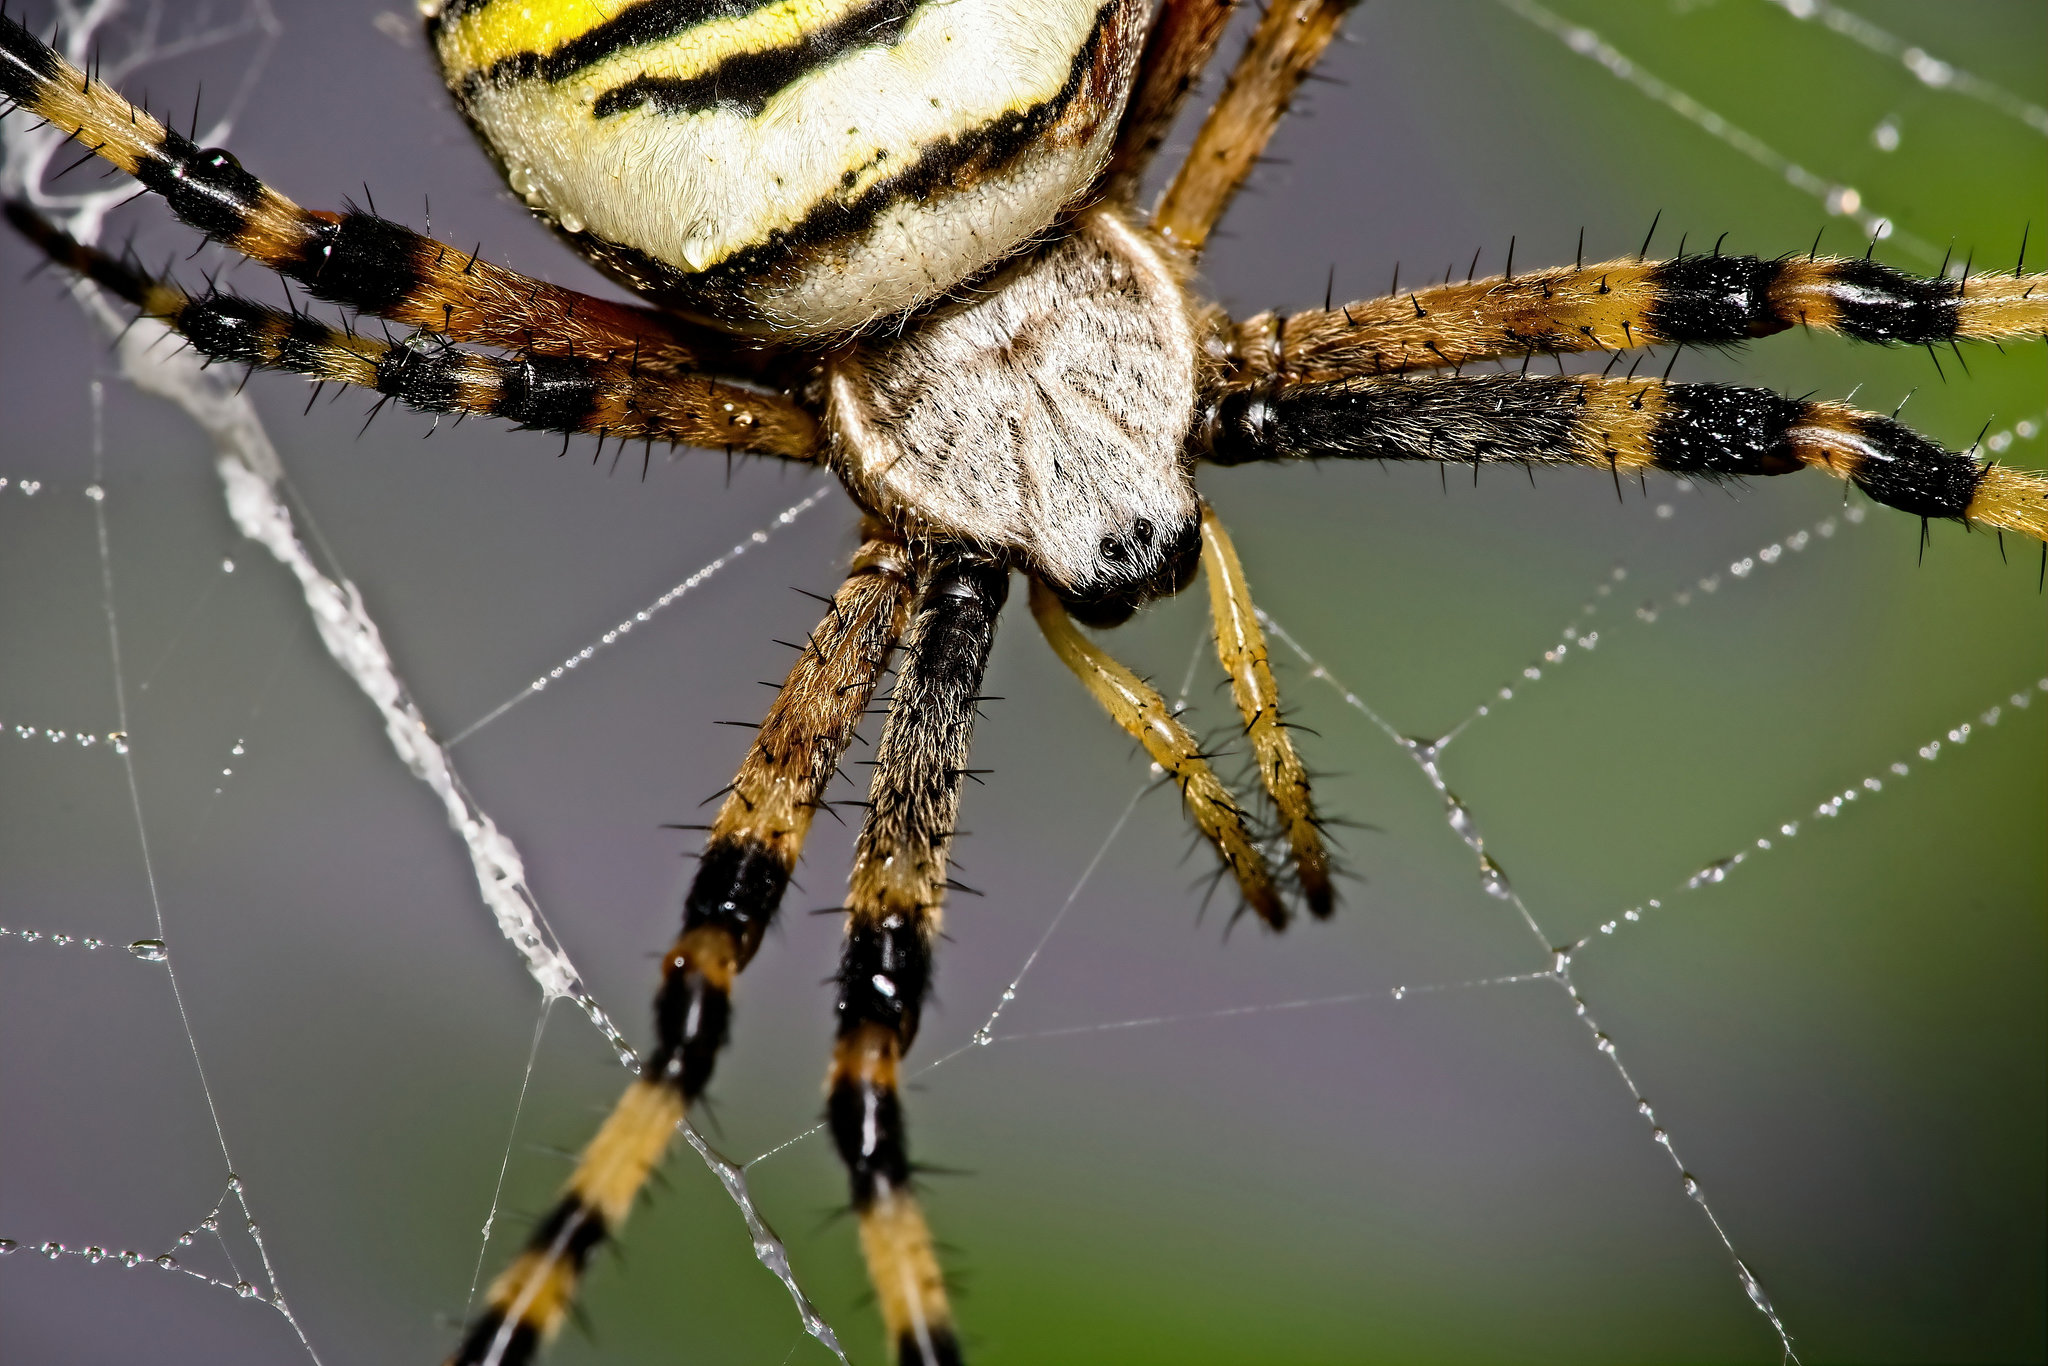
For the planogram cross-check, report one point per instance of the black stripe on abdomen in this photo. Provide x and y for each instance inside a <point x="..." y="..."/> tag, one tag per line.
<point x="746" y="81"/>
<point x="952" y="164"/>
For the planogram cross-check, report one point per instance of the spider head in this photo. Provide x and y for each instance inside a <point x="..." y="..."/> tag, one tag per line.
<point x="1141" y="561"/>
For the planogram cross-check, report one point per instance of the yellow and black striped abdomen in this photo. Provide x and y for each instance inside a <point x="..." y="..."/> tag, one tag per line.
<point x="799" y="167"/>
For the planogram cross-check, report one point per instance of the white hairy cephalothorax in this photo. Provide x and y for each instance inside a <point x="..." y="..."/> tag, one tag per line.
<point x="1044" y="417"/>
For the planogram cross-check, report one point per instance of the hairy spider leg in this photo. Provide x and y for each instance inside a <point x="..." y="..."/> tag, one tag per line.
<point x="544" y="393"/>
<point x="748" y="857"/>
<point x="893" y="903"/>
<point x="1283" y="48"/>
<point x="353" y="259"/>
<point x="1241" y="649"/>
<point x="1137" y="706"/>
<point x="1710" y="431"/>
<point x="1692" y="300"/>
<point x="1178" y="48"/>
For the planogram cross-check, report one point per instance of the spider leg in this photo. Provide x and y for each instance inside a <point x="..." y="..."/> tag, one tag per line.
<point x="1136" y="706"/>
<point x="752" y="848"/>
<point x="1693" y="300"/>
<point x="551" y="393"/>
<point x="1712" y="431"/>
<point x="893" y="907"/>
<point x="1241" y="647"/>
<point x="354" y="259"/>
<point x="1183" y="38"/>
<point x="1283" y="48"/>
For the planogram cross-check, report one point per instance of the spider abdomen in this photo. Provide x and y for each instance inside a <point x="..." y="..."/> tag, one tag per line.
<point x="1045" y="419"/>
<point x="795" y="167"/>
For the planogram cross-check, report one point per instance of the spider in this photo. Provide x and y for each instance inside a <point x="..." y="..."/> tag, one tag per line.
<point x="1002" y="295"/>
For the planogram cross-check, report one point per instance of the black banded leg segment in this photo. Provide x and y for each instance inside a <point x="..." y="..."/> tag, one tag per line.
<point x="894" y="898"/>
<point x="425" y="372"/>
<point x="1691" y="300"/>
<point x="754" y="844"/>
<point x="357" y="260"/>
<point x="1710" y="431"/>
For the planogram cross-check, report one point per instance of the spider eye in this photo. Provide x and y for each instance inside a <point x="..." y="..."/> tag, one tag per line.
<point x="1112" y="548"/>
<point x="1142" y="529"/>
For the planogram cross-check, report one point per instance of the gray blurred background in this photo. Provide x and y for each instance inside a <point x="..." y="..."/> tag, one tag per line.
<point x="1845" y="1039"/>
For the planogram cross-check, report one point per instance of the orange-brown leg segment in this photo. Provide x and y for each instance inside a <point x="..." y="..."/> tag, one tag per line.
<point x="892" y="908"/>
<point x="1283" y="49"/>
<point x="1183" y="39"/>
<point x="1693" y="300"/>
<point x="547" y="393"/>
<point x="354" y="259"/>
<point x="1241" y="648"/>
<point x="753" y="846"/>
<point x="1137" y="706"/>
<point x="1711" y="431"/>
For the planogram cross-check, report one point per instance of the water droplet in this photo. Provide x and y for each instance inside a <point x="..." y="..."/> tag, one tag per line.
<point x="1757" y="1296"/>
<point x="95" y="1254"/>
<point x="150" y="950"/>
<point x="1493" y="878"/>
<point x="1717" y="871"/>
<point x="167" y="1261"/>
<point x="1885" y="137"/>
<point x="1659" y="1136"/>
<point x="1460" y="818"/>
<point x="7" y="1245"/>
<point x="94" y="492"/>
<point x="245" y="1290"/>
<point x="130" y="1258"/>
<point x="227" y="566"/>
<point x="1692" y="1187"/>
<point x="1604" y="1044"/>
<point x="1931" y="70"/>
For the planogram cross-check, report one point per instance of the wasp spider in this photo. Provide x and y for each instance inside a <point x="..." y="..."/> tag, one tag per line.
<point x="901" y="240"/>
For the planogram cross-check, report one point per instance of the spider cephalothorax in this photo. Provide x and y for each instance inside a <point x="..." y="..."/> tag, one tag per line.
<point x="921" y="220"/>
<point x="1045" y="417"/>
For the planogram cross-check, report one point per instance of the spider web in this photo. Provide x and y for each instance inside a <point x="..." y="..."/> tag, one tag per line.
<point x="1684" y="901"/>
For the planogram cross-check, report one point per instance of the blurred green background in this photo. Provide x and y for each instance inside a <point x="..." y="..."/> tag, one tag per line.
<point x="1845" y="1038"/>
